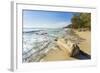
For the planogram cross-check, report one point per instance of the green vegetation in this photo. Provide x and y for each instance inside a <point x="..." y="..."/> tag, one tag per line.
<point x="81" y="21"/>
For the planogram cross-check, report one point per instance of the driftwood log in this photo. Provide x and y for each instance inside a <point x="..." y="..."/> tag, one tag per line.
<point x="71" y="47"/>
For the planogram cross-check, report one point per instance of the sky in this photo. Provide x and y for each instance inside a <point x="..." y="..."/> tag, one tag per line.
<point x="46" y="19"/>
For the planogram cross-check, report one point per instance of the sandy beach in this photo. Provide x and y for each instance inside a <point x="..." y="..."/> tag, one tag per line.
<point x="86" y="44"/>
<point x="59" y="52"/>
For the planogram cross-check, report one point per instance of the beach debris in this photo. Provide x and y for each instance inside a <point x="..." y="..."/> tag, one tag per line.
<point x="71" y="47"/>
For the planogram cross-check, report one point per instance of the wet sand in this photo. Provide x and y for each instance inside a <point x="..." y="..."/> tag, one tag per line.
<point x="59" y="52"/>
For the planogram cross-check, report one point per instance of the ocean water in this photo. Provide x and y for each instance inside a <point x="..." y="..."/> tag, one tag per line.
<point x="35" y="38"/>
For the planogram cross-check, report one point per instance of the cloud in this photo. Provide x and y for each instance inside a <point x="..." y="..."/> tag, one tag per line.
<point x="51" y="25"/>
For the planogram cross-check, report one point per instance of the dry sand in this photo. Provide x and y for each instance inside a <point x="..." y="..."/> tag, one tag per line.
<point x="60" y="53"/>
<point x="86" y="44"/>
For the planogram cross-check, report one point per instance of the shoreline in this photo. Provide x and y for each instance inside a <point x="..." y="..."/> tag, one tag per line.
<point x="60" y="53"/>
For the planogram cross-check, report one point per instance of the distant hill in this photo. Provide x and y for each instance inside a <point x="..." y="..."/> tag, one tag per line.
<point x="69" y="26"/>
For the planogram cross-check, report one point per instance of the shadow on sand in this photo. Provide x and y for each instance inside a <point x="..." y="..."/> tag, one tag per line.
<point x="79" y="54"/>
<point x="82" y="55"/>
